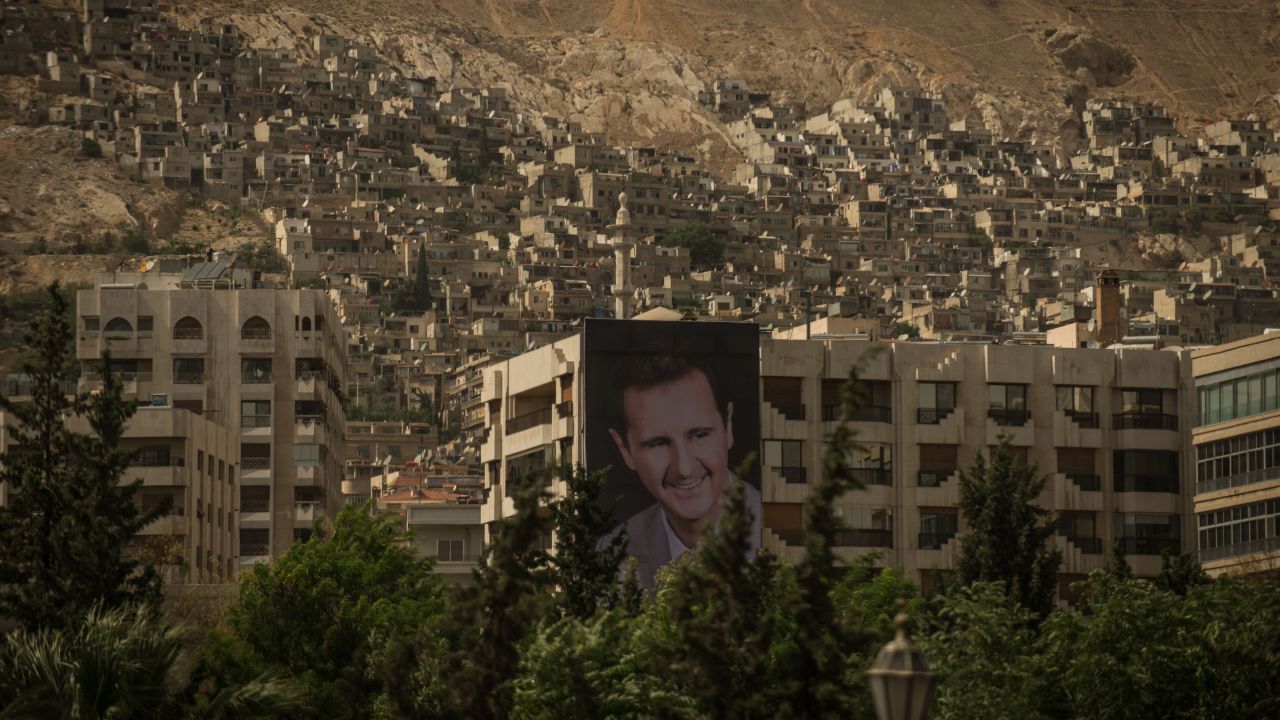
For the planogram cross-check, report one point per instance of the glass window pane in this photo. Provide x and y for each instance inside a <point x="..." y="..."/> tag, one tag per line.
<point x="928" y="395"/>
<point x="1066" y="397"/>
<point x="791" y="454"/>
<point x="772" y="453"/>
<point x="996" y="397"/>
<point x="946" y="395"/>
<point x="1017" y="397"/>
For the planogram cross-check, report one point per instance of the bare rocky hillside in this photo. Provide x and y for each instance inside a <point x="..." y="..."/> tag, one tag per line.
<point x="633" y="68"/>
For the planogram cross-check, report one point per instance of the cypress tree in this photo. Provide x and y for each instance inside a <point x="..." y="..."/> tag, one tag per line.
<point x="70" y="519"/>
<point x="422" y="281"/>
<point x="586" y="576"/>
<point x="1008" y="537"/>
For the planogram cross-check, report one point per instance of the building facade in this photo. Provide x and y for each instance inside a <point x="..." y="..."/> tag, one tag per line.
<point x="1108" y="427"/>
<point x="1237" y="446"/>
<point x="266" y="365"/>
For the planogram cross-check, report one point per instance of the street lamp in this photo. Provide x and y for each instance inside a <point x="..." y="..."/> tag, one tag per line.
<point x="902" y="685"/>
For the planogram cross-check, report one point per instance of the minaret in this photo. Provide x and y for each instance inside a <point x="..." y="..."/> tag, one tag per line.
<point x="623" y="237"/>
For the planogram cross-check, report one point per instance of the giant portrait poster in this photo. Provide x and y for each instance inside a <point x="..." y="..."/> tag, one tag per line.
<point x="672" y="410"/>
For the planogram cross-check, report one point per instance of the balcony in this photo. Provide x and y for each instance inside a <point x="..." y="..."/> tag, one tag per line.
<point x="564" y="409"/>
<point x="1144" y="421"/>
<point x="528" y="420"/>
<point x="1148" y="545"/>
<point x="873" y="476"/>
<point x="1087" y="420"/>
<point x="159" y="473"/>
<point x="1238" y="549"/>
<point x="188" y="378"/>
<point x="863" y="537"/>
<point x="1147" y="483"/>
<point x="933" y="540"/>
<point x="933" y="478"/>
<point x="1087" y="483"/>
<point x="306" y="512"/>
<point x="1087" y="545"/>
<point x="255" y="549"/>
<point x="255" y="377"/>
<point x="1007" y="417"/>
<point x="255" y="468"/>
<point x="307" y="427"/>
<point x="932" y="416"/>
<point x="1239" y="479"/>
<point x="792" y="475"/>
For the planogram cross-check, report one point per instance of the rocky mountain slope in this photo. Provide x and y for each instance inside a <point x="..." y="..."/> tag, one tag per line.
<point x="633" y="68"/>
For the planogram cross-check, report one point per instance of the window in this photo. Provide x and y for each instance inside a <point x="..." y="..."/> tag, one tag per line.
<point x="1239" y="530"/>
<point x="1081" y="528"/>
<point x="1143" y="408"/>
<point x="937" y="463"/>
<point x="255" y="328"/>
<point x="199" y="461"/>
<point x="937" y="400"/>
<point x="188" y="328"/>
<point x="784" y="394"/>
<point x="188" y="371"/>
<point x="1076" y="402"/>
<point x="255" y="542"/>
<point x="146" y="323"/>
<point x="787" y="457"/>
<point x="1007" y="404"/>
<point x="90" y="323"/>
<point x="864" y="526"/>
<point x="1146" y="471"/>
<point x="937" y="527"/>
<point x="255" y="370"/>
<point x="255" y="413"/>
<point x="1236" y="461"/>
<point x="450" y="550"/>
<point x="306" y="454"/>
<point x="255" y="498"/>
<point x="1240" y="397"/>
<point x="872" y="464"/>
<point x="119" y="327"/>
<point x="1147" y="533"/>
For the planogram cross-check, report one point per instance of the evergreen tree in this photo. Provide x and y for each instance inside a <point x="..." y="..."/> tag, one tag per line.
<point x="422" y="281"/>
<point x="70" y="519"/>
<point x="822" y="640"/>
<point x="1009" y="535"/>
<point x="587" y="577"/>
<point x="721" y="620"/>
<point x="1180" y="573"/>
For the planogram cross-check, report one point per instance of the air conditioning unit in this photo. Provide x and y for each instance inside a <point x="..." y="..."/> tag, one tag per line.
<point x="160" y="400"/>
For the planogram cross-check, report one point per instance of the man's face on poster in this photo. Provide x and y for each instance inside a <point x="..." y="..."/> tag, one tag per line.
<point x="678" y="444"/>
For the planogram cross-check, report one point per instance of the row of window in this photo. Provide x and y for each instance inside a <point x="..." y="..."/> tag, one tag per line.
<point x="1240" y="530"/>
<point x="189" y="328"/>
<point x="1240" y="460"/>
<point x="1135" y="470"/>
<point x="1241" y="397"/>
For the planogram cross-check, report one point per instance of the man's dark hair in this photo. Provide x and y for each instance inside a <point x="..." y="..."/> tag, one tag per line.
<point x="644" y="371"/>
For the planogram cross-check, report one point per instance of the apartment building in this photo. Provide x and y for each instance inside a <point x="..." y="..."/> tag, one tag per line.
<point x="1237" y="446"/>
<point x="1108" y="427"/>
<point x="265" y="365"/>
<point x="184" y="457"/>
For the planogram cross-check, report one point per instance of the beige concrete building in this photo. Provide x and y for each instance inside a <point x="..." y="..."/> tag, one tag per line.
<point x="1237" y="445"/>
<point x="265" y="365"/>
<point x="1109" y="428"/>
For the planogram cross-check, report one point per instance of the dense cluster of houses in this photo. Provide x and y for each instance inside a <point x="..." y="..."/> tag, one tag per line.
<point x="891" y="214"/>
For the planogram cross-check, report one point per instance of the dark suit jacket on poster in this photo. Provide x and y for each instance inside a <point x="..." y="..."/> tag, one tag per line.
<point x="647" y="537"/>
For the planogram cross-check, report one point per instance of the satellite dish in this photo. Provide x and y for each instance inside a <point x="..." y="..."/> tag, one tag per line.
<point x="1092" y="325"/>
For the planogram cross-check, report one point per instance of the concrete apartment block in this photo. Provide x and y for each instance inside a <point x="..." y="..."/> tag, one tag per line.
<point x="266" y="365"/>
<point x="1237" y="446"/>
<point x="1110" y="428"/>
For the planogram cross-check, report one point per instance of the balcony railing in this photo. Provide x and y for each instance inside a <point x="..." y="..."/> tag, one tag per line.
<point x="528" y="420"/>
<point x="1083" y="419"/>
<point x="932" y="416"/>
<point x="255" y="377"/>
<point x="311" y="421"/>
<point x="1087" y="545"/>
<point x="1144" y="421"/>
<point x="255" y="334"/>
<point x="790" y="411"/>
<point x="1087" y="483"/>
<point x="309" y="375"/>
<point x="255" y="421"/>
<point x="188" y="378"/>
<point x="873" y="413"/>
<point x="159" y="462"/>
<point x="793" y="475"/>
<point x="255" y="463"/>
<point x="1147" y="483"/>
<point x="934" y="540"/>
<point x="1148" y="546"/>
<point x="873" y="476"/>
<point x="564" y="409"/>
<point x="864" y="537"/>
<point x="254" y="549"/>
<point x="1243" y="548"/>
<point x="255" y="506"/>
<point x="188" y="333"/>
<point x="933" y="478"/>
<point x="1237" y="480"/>
<point x="790" y="536"/>
<point x="1009" y="417"/>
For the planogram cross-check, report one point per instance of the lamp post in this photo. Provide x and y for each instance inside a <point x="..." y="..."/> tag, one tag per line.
<point x="902" y="685"/>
